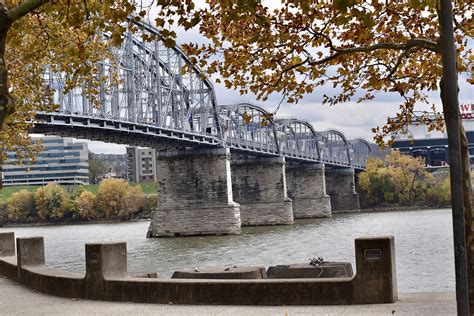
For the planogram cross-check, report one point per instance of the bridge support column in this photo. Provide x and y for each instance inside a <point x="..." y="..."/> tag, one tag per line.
<point x="259" y="186"/>
<point x="194" y="194"/>
<point x="307" y="189"/>
<point x="340" y="186"/>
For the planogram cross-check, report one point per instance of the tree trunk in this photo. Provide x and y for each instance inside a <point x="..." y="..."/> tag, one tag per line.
<point x="467" y="195"/>
<point x="6" y="103"/>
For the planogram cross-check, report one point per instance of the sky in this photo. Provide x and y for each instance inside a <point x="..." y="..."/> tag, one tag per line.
<point x="355" y="120"/>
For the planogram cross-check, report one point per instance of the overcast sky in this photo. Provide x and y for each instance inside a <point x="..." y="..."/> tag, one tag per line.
<point x="354" y="120"/>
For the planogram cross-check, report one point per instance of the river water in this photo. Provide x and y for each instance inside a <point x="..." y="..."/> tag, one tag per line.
<point x="423" y="245"/>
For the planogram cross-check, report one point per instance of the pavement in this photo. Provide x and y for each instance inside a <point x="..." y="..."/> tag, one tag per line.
<point x="16" y="299"/>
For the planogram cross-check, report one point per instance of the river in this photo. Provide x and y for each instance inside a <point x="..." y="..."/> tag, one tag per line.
<point x="423" y="245"/>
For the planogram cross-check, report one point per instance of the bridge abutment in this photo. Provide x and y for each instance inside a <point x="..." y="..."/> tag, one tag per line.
<point x="194" y="194"/>
<point x="259" y="186"/>
<point x="340" y="185"/>
<point x="307" y="188"/>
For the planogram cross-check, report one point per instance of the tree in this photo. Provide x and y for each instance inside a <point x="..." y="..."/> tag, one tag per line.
<point x="406" y="173"/>
<point x="399" y="178"/>
<point x="97" y="167"/>
<point x="361" y="47"/>
<point x="62" y="36"/>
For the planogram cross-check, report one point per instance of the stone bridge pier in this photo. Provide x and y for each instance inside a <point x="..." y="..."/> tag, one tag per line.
<point x="259" y="186"/>
<point x="194" y="194"/>
<point x="340" y="185"/>
<point x="307" y="188"/>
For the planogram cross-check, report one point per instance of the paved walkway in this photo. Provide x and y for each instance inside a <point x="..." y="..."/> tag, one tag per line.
<point x="16" y="299"/>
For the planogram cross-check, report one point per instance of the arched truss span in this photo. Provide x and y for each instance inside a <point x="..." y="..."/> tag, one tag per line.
<point x="146" y="97"/>
<point x="144" y="84"/>
<point x="361" y="151"/>
<point x="250" y="127"/>
<point x="297" y="138"/>
<point x="335" y="148"/>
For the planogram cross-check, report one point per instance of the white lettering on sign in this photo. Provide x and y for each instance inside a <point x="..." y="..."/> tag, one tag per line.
<point x="466" y="110"/>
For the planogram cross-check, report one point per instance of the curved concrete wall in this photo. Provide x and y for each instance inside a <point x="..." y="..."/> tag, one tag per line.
<point x="107" y="278"/>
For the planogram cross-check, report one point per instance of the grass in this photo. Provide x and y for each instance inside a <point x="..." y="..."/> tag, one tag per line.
<point x="6" y="192"/>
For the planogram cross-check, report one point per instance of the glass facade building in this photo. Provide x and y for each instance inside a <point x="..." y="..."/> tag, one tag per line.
<point x="62" y="161"/>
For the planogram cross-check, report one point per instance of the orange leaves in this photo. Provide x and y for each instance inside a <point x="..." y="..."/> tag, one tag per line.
<point x="247" y="118"/>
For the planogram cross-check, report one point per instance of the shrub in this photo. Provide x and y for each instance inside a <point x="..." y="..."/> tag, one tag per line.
<point x="149" y="205"/>
<point x="84" y="205"/>
<point x="439" y="190"/>
<point x="111" y="197"/>
<point x="134" y="200"/>
<point x="116" y="198"/>
<point x="3" y="212"/>
<point x="21" y="206"/>
<point x="52" y="202"/>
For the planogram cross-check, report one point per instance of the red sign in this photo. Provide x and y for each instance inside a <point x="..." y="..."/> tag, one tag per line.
<point x="466" y="110"/>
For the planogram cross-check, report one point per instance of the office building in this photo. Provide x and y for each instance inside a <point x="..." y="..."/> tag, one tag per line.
<point x="62" y="161"/>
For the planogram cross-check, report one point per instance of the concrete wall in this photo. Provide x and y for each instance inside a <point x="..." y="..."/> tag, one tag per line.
<point x="194" y="194"/>
<point x="307" y="188"/>
<point x="107" y="279"/>
<point x="340" y="185"/>
<point x="259" y="186"/>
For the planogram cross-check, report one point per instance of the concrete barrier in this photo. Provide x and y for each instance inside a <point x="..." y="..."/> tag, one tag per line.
<point x="306" y="270"/>
<point x="222" y="273"/>
<point x="7" y="244"/>
<point x="7" y="256"/>
<point x="107" y="279"/>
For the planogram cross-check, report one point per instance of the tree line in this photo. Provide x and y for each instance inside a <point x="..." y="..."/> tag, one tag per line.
<point x="115" y="199"/>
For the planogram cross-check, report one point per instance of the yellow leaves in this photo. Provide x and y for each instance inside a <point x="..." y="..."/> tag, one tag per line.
<point x="247" y="118"/>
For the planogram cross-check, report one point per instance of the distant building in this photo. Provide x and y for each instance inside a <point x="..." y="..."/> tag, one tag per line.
<point x="141" y="164"/>
<point x="116" y="164"/>
<point x="432" y="146"/>
<point x="62" y="161"/>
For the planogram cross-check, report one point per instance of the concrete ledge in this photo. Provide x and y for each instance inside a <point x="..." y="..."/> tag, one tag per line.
<point x="222" y="273"/>
<point x="305" y="270"/>
<point x="107" y="279"/>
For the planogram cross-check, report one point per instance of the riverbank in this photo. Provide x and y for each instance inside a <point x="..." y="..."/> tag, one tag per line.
<point x="68" y="223"/>
<point x="392" y="208"/>
<point x="19" y="300"/>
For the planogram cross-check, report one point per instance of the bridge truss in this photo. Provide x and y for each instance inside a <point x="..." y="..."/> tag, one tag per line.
<point x="147" y="99"/>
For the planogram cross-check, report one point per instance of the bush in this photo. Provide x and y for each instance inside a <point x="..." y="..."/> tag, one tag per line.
<point x="3" y="212"/>
<point x="149" y="205"/>
<point x="84" y="205"/>
<point x="116" y="198"/>
<point x="52" y="202"/>
<point x="439" y="191"/>
<point x="21" y="206"/>
<point x="134" y="201"/>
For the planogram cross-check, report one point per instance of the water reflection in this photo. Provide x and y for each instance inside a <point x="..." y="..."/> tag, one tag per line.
<point x="423" y="242"/>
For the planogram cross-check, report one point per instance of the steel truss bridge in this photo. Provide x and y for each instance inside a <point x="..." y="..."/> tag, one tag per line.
<point x="154" y="103"/>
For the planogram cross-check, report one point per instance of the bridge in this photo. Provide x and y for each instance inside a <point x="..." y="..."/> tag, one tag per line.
<point x="219" y="166"/>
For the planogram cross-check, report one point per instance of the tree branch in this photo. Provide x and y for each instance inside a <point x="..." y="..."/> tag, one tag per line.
<point x="417" y="42"/>
<point x="24" y="8"/>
